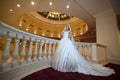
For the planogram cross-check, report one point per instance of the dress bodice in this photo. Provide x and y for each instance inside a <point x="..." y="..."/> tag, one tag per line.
<point x="66" y="34"/>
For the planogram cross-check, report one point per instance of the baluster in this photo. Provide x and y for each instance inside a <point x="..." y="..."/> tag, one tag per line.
<point x="7" y="48"/>
<point x="30" y="51"/>
<point x="40" y="51"/>
<point x="23" y="50"/>
<point x="53" y="50"/>
<point x="55" y="46"/>
<point x="90" y="51"/>
<point x="80" y="49"/>
<point x="15" y="55"/>
<point x="36" y="50"/>
<point x="94" y="52"/>
<point x="85" y="48"/>
<point x="49" y="51"/>
<point x="6" y="54"/>
<point x="45" y="48"/>
<point x="87" y="51"/>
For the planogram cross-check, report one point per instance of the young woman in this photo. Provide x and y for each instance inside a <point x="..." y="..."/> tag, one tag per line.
<point x="68" y="59"/>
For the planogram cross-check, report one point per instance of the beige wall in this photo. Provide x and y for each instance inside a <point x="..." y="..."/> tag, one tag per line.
<point x="107" y="34"/>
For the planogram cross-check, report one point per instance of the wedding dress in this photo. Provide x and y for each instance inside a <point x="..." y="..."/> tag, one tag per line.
<point x="68" y="59"/>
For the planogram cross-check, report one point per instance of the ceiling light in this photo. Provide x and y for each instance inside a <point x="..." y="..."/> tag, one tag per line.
<point x="74" y="35"/>
<point x="52" y="15"/>
<point x="11" y="10"/>
<point x="50" y="3"/>
<point x="27" y="29"/>
<point x="43" y="34"/>
<point x="51" y="35"/>
<point x="62" y="16"/>
<point x="18" y="5"/>
<point x="20" y="24"/>
<point x="81" y="33"/>
<point x="59" y="36"/>
<point x="56" y="13"/>
<point x="49" y="14"/>
<point x="86" y="28"/>
<point x="33" y="3"/>
<point x="65" y="15"/>
<point x="67" y="6"/>
<point x="35" y="32"/>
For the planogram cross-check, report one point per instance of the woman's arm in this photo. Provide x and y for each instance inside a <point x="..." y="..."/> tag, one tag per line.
<point x="70" y="34"/>
<point x="62" y="33"/>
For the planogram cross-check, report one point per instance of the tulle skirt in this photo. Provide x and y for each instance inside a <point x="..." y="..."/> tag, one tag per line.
<point x="68" y="59"/>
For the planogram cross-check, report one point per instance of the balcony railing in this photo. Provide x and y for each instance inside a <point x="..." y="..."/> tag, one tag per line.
<point x="29" y="50"/>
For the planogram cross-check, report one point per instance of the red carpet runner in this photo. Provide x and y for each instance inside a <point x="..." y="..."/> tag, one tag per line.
<point x="51" y="74"/>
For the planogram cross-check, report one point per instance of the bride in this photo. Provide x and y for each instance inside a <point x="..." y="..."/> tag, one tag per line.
<point x="68" y="59"/>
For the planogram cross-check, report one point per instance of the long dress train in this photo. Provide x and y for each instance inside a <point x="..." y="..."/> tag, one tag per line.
<point x="68" y="59"/>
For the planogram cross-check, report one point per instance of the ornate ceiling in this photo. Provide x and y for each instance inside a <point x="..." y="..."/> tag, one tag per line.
<point x="40" y="24"/>
<point x="55" y="15"/>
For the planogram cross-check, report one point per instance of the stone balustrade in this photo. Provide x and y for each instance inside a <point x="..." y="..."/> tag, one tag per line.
<point x="46" y="48"/>
<point x="29" y="49"/>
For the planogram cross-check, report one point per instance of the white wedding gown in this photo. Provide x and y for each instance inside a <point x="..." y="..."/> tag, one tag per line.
<point x="68" y="59"/>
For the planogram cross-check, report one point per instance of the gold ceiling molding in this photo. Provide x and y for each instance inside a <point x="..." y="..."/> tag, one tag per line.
<point x="67" y="21"/>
